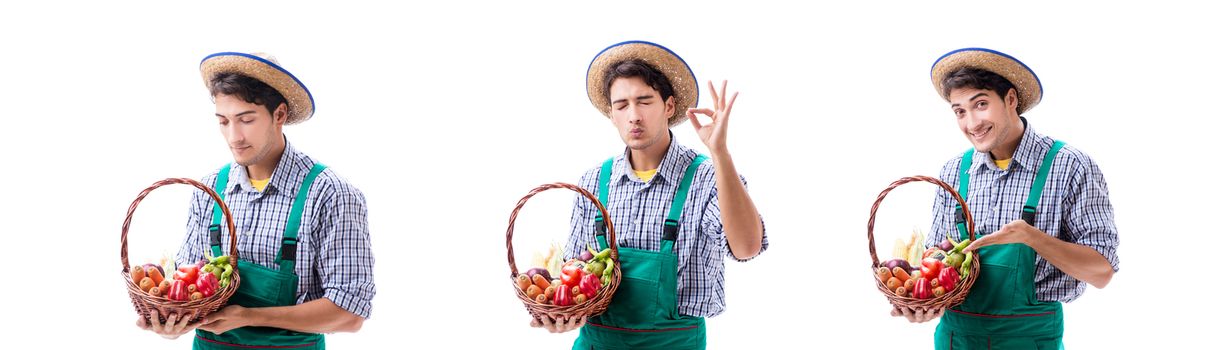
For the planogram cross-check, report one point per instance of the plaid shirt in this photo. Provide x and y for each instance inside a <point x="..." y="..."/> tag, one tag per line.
<point x="334" y="259"/>
<point x="1074" y="206"/>
<point x="639" y="209"/>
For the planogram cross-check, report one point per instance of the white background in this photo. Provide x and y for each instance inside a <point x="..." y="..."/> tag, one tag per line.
<point x="445" y="115"/>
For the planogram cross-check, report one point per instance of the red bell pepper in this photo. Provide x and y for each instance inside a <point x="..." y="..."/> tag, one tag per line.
<point x="589" y="285"/>
<point x="207" y="284"/>
<point x="187" y="274"/>
<point x="563" y="296"/>
<point x="571" y="275"/>
<point x="931" y="268"/>
<point x="179" y="291"/>
<point x="948" y="278"/>
<point x="922" y="289"/>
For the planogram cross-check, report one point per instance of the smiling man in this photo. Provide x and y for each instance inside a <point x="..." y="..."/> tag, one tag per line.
<point x="1045" y="223"/>
<point x="304" y="256"/>
<point x="677" y="213"/>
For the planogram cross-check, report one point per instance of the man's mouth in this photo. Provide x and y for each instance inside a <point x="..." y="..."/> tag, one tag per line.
<point x="981" y="134"/>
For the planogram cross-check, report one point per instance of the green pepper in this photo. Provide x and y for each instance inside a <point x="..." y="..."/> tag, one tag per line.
<point x="959" y="248"/>
<point x="607" y="272"/>
<point x="966" y="266"/>
<point x="955" y="259"/>
<point x="596" y="268"/>
<point x="603" y="254"/>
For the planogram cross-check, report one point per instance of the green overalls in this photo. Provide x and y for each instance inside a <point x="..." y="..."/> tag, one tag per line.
<point x="1002" y="311"/>
<point x="644" y="313"/>
<point x="261" y="286"/>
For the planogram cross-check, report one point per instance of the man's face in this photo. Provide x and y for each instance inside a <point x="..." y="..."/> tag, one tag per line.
<point x="638" y="112"/>
<point x="986" y="119"/>
<point x="250" y="131"/>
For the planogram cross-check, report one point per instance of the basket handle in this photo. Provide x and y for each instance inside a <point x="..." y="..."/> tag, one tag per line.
<point x="905" y="180"/>
<point x="514" y="213"/>
<point x="230" y="223"/>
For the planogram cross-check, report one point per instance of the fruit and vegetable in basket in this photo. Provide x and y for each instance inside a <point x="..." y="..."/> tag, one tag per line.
<point x="188" y="282"/>
<point x="578" y="280"/>
<point x="914" y="273"/>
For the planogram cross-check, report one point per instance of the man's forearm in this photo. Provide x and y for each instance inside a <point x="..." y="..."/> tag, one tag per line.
<point x="315" y="316"/>
<point x="1082" y="262"/>
<point x="743" y="228"/>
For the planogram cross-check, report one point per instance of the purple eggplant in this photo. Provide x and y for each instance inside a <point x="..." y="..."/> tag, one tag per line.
<point x="898" y="263"/>
<point x="539" y="271"/>
<point x="946" y="245"/>
<point x="149" y="266"/>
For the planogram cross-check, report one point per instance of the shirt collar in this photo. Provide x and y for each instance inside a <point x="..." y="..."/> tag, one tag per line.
<point x="1029" y="154"/>
<point x="670" y="168"/>
<point x="283" y="177"/>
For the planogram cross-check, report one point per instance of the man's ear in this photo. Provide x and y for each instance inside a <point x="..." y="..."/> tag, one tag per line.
<point x="281" y="114"/>
<point x="1011" y="99"/>
<point x="670" y="107"/>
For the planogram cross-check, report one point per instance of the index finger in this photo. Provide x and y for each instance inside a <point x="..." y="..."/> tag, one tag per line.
<point x="724" y="85"/>
<point x="154" y="321"/>
<point x="713" y="91"/>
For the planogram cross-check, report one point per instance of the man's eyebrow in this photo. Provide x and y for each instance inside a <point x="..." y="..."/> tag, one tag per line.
<point x="240" y="113"/>
<point x="957" y="104"/>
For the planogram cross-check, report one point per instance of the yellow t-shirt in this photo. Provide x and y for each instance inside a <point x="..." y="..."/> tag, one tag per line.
<point x="1002" y="163"/>
<point x="645" y="175"/>
<point x="259" y="184"/>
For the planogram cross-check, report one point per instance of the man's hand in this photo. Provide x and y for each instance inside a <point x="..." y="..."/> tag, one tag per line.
<point x="917" y="316"/>
<point x="714" y="134"/>
<point x="1017" y="231"/>
<point x="172" y="328"/>
<point x="227" y="318"/>
<point x="561" y="325"/>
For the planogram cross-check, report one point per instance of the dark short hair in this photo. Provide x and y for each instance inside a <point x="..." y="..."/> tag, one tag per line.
<point x="248" y="89"/>
<point x="637" y="68"/>
<point x="980" y="79"/>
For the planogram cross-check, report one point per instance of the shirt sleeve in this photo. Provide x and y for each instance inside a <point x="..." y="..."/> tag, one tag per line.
<point x="582" y="220"/>
<point x="345" y="258"/>
<point x="712" y="221"/>
<point x="197" y="234"/>
<point x="1089" y="216"/>
<point x="943" y="211"/>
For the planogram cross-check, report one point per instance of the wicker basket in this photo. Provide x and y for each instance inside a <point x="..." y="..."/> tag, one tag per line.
<point x="948" y="299"/>
<point x="192" y="310"/>
<point x="591" y="307"/>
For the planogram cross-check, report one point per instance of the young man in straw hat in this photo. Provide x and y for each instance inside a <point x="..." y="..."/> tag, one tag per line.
<point x="677" y="213"/>
<point x="1045" y="223"/>
<point x="304" y="256"/>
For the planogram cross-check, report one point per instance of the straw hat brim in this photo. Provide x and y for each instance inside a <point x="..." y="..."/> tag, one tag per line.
<point x="664" y="60"/>
<point x="297" y="96"/>
<point x="1030" y="91"/>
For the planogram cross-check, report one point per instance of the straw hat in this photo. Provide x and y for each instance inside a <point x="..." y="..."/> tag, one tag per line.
<point x="664" y="60"/>
<point x="1025" y="81"/>
<point x="263" y="67"/>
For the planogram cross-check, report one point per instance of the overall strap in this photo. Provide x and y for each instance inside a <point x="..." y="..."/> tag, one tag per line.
<point x="1037" y="187"/>
<point x="289" y="244"/>
<point x="670" y="228"/>
<point x="216" y="224"/>
<point x="961" y="223"/>
<point x="605" y="179"/>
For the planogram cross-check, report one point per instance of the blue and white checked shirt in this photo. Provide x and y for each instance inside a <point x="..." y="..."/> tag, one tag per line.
<point x="334" y="259"/>
<point x="1074" y="206"/>
<point x="638" y="211"/>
